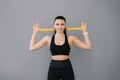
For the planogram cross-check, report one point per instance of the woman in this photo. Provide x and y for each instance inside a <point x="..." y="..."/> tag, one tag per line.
<point x="60" y="44"/>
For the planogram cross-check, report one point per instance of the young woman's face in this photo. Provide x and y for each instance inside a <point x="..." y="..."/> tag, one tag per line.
<point x="59" y="25"/>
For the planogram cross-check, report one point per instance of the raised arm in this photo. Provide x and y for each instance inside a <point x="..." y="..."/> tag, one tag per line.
<point x="36" y="45"/>
<point x="86" y="44"/>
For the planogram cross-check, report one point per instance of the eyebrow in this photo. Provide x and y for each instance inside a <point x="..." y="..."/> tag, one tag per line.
<point x="61" y="23"/>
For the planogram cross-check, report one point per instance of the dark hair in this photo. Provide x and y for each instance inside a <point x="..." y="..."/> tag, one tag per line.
<point x="62" y="18"/>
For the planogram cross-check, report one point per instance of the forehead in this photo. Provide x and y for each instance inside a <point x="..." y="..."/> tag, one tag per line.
<point x="59" y="21"/>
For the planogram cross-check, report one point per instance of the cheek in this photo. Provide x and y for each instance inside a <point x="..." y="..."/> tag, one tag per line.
<point x="63" y="27"/>
<point x="55" y="27"/>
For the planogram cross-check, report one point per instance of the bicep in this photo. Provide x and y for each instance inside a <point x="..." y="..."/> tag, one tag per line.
<point x="43" y="42"/>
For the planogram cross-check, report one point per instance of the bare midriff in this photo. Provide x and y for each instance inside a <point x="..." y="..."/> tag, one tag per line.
<point x="60" y="57"/>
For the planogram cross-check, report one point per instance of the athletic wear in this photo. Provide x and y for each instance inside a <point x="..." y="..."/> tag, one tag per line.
<point x="59" y="49"/>
<point x="60" y="70"/>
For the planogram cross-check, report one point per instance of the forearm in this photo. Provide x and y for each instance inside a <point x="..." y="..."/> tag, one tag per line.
<point x="87" y="40"/>
<point x="33" y="40"/>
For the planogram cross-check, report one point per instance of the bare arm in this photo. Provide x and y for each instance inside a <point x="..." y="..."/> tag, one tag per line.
<point x="82" y="44"/>
<point x="36" y="45"/>
<point x="86" y="44"/>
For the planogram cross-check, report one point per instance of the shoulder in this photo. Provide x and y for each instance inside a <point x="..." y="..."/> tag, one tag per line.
<point x="71" y="37"/>
<point x="47" y="37"/>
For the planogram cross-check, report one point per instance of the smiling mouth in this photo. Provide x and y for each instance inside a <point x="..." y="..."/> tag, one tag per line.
<point x="60" y="30"/>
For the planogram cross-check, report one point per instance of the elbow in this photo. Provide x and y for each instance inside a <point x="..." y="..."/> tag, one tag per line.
<point x="89" y="48"/>
<point x="31" y="49"/>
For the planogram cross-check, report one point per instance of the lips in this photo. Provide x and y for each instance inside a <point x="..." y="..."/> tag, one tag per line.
<point x="60" y="30"/>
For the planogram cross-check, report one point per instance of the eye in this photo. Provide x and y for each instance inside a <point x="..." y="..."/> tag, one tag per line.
<point x="57" y="24"/>
<point x="62" y="24"/>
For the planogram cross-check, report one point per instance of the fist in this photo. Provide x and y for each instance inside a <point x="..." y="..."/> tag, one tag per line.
<point x="36" y="27"/>
<point x="83" y="26"/>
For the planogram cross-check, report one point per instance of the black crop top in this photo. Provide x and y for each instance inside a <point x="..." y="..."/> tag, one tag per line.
<point x="59" y="49"/>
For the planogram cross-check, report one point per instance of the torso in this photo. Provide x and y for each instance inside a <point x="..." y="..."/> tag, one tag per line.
<point x="60" y="57"/>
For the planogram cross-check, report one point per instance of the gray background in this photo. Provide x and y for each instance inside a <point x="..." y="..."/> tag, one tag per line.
<point x="16" y="21"/>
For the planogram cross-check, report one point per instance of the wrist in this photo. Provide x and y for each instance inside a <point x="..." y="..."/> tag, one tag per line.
<point x="85" y="33"/>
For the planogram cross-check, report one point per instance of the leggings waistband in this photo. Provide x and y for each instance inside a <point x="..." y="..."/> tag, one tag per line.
<point x="60" y="63"/>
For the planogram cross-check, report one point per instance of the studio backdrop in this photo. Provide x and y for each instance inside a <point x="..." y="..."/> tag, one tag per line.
<point x="16" y="27"/>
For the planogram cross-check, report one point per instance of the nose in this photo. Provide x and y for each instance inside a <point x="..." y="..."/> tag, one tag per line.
<point x="59" y="27"/>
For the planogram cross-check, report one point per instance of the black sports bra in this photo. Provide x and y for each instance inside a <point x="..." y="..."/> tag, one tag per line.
<point x="59" y="49"/>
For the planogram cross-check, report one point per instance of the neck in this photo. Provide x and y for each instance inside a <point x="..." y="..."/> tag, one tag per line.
<point x="60" y="34"/>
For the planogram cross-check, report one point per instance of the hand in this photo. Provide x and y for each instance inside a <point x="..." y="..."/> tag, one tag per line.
<point x="83" y="26"/>
<point x="36" y="27"/>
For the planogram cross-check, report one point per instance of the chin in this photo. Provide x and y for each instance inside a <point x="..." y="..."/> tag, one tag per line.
<point x="60" y="31"/>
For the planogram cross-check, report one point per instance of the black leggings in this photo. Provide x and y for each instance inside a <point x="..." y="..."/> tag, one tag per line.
<point x="60" y="70"/>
